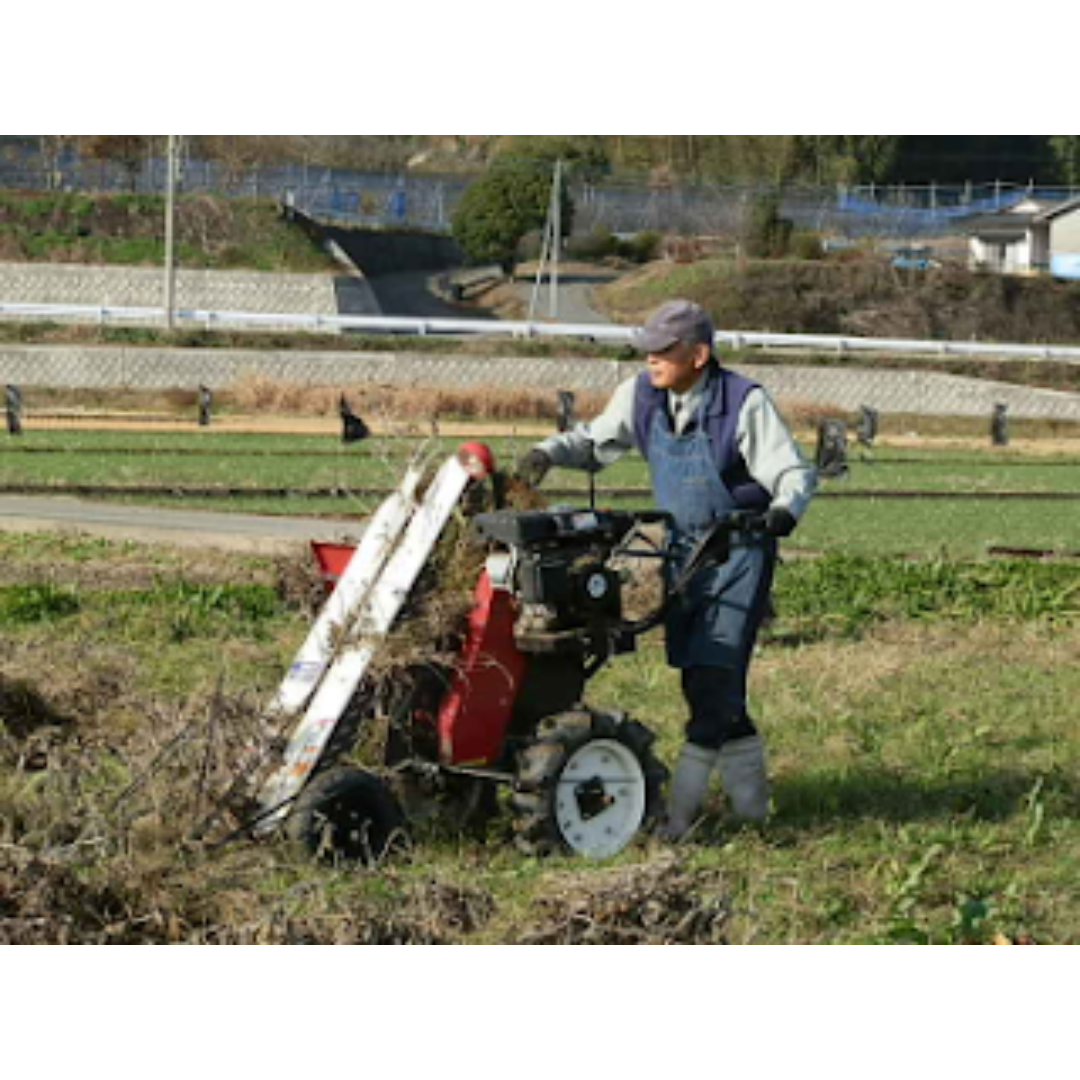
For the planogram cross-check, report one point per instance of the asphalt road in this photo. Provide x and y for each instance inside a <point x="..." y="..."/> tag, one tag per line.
<point x="262" y="534"/>
<point x="575" y="300"/>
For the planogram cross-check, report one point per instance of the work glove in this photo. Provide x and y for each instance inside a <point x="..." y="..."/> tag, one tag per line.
<point x="780" y="522"/>
<point x="532" y="467"/>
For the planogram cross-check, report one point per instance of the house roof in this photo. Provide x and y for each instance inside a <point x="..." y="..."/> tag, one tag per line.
<point x="1004" y="226"/>
<point x="1069" y="206"/>
<point x="1011" y="225"/>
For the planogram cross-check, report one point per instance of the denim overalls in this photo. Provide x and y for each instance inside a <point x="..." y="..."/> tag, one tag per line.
<point x="714" y="626"/>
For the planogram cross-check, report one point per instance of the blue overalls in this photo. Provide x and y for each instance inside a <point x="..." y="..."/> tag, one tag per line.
<point x="698" y="476"/>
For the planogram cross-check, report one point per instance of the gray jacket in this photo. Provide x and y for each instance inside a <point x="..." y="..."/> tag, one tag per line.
<point x="765" y="442"/>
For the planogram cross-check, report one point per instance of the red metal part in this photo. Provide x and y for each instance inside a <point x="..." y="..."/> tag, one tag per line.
<point x="476" y="711"/>
<point x="477" y="458"/>
<point x="332" y="560"/>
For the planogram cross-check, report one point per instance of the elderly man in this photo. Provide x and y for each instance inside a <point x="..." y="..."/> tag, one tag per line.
<point x="714" y="442"/>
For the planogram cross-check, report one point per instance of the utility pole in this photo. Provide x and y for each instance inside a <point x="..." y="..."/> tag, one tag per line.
<point x="550" y="249"/>
<point x="556" y="238"/>
<point x="534" y="299"/>
<point x="170" y="232"/>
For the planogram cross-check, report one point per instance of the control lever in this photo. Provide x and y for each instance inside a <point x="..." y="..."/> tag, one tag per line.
<point x="714" y="548"/>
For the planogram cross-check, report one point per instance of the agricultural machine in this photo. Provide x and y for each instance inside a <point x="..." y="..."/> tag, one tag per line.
<point x="547" y="613"/>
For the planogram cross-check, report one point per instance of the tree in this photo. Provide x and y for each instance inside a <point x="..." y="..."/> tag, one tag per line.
<point x="500" y="208"/>
<point x="848" y="159"/>
<point x="953" y="159"/>
<point x="127" y="151"/>
<point x="235" y="154"/>
<point x="1066" y="151"/>
<point x="768" y="233"/>
<point x="583" y="156"/>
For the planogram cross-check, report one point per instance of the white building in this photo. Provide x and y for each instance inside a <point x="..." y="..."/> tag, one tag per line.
<point x="1031" y="237"/>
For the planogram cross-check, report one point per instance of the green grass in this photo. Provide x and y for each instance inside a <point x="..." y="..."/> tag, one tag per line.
<point x="36" y="602"/>
<point x="869" y="524"/>
<point x="931" y="527"/>
<point x="925" y="785"/>
<point x="841" y="594"/>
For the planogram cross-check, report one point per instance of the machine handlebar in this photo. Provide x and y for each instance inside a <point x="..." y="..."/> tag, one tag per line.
<point x="713" y="548"/>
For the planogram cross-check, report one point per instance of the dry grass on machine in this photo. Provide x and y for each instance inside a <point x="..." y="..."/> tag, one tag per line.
<point x="426" y="639"/>
<point x="433" y="620"/>
<point x="430" y="629"/>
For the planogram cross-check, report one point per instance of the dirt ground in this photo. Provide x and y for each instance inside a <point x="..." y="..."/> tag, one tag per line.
<point x="278" y="425"/>
<point x="331" y="425"/>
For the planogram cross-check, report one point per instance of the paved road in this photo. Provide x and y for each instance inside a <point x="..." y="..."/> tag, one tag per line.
<point x="575" y="295"/>
<point x="411" y="294"/>
<point x="263" y="534"/>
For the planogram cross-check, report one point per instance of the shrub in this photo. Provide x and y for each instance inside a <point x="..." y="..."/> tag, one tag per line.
<point x="768" y="234"/>
<point x="643" y="247"/>
<point x="601" y="243"/>
<point x="806" y="245"/>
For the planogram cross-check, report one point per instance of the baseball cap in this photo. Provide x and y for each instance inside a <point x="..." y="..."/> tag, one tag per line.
<point x="675" y="321"/>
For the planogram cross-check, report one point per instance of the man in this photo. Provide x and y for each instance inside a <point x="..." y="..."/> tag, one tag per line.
<point x="715" y="443"/>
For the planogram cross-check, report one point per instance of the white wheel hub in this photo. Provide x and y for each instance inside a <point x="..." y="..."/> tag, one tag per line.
<point x="600" y="798"/>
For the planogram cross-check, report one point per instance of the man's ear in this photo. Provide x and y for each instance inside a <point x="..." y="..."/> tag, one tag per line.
<point x="702" y="355"/>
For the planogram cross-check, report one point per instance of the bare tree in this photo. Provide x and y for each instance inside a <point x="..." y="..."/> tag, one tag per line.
<point x="128" y="151"/>
<point x="52" y="149"/>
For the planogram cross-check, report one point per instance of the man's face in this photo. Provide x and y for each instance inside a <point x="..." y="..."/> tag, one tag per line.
<point x="677" y="367"/>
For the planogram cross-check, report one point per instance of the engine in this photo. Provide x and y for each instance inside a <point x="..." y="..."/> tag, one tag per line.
<point x="569" y="597"/>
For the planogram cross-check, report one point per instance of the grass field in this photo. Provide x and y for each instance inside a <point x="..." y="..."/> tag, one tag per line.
<point x="921" y="713"/>
<point x="860" y="513"/>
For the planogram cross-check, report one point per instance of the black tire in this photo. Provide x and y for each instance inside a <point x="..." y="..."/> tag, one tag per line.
<point x="346" y="814"/>
<point x="541" y="766"/>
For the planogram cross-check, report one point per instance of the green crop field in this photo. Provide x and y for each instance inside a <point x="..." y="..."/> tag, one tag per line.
<point x="974" y="499"/>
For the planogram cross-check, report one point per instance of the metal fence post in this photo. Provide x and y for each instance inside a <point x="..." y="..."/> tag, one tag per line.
<point x="999" y="425"/>
<point x="14" y="410"/>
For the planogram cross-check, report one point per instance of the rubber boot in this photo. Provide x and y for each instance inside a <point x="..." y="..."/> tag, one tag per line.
<point x="688" y="787"/>
<point x="743" y="776"/>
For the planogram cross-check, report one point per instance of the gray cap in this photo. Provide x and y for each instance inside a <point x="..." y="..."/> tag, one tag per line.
<point x="675" y="321"/>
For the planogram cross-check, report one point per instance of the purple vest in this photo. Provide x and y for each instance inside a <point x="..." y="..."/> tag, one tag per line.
<point x="722" y="401"/>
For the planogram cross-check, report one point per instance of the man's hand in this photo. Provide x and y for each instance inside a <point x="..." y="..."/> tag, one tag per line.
<point x="533" y="467"/>
<point x="780" y="522"/>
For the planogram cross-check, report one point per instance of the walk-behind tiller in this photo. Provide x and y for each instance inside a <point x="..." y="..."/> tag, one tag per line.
<point x="546" y="616"/>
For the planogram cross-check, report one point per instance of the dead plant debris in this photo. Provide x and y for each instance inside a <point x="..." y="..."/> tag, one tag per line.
<point x="662" y="902"/>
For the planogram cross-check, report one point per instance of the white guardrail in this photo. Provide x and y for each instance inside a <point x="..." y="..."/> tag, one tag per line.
<point x="400" y="324"/>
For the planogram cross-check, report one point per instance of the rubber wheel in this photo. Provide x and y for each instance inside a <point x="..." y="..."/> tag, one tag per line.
<point x="346" y="814"/>
<point x="587" y="784"/>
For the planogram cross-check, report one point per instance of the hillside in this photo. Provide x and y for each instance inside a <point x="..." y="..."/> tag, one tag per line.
<point x="129" y="230"/>
<point x="757" y="159"/>
<point x="866" y="298"/>
<point x="860" y="295"/>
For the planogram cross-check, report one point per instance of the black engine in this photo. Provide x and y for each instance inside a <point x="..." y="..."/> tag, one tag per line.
<point x="571" y="599"/>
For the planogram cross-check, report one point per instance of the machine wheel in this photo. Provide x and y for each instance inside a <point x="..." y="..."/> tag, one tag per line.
<point x="587" y="784"/>
<point x="346" y="814"/>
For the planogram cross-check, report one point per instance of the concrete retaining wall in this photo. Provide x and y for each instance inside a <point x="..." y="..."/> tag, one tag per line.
<point x="844" y="389"/>
<point x="209" y="290"/>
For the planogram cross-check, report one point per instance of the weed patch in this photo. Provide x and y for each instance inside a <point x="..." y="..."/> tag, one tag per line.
<point x="844" y="594"/>
<point x="36" y="602"/>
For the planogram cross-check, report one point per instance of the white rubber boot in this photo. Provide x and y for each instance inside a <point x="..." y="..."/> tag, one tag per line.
<point x="688" y="788"/>
<point x="744" y="778"/>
